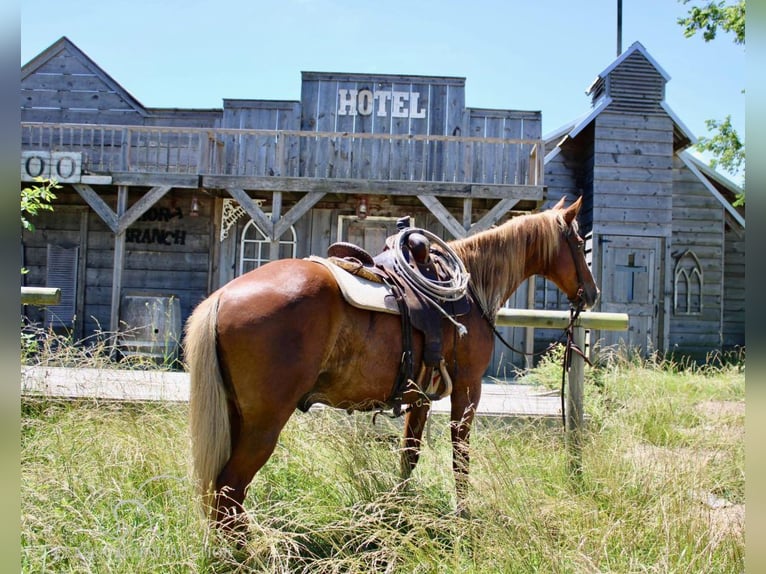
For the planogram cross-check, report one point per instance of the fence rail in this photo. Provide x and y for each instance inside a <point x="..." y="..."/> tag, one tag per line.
<point x="239" y="152"/>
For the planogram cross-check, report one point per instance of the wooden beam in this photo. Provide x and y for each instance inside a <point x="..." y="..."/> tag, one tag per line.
<point x="296" y="212"/>
<point x="493" y="215"/>
<point x="141" y="206"/>
<point x="252" y="209"/>
<point x="373" y="187"/>
<point x="560" y="319"/>
<point x="98" y="205"/>
<point x="40" y="296"/>
<point x="441" y="213"/>
<point x="181" y="180"/>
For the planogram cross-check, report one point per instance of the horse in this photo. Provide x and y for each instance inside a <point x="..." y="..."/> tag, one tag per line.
<point x="282" y="336"/>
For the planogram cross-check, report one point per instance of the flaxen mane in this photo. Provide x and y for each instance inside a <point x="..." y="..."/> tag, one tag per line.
<point x="496" y="259"/>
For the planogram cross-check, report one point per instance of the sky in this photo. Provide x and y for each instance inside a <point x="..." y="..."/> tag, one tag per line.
<point x="539" y="55"/>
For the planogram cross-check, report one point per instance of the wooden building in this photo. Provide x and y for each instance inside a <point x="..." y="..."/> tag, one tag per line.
<point x="175" y="202"/>
<point x="667" y="244"/>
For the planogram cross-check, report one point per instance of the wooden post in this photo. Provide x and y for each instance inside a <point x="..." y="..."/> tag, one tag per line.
<point x="119" y="260"/>
<point x="575" y="417"/>
<point x="276" y="213"/>
<point x="574" y="412"/>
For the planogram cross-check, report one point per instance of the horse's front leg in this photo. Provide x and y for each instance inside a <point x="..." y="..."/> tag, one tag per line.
<point x="463" y="410"/>
<point x="414" y="423"/>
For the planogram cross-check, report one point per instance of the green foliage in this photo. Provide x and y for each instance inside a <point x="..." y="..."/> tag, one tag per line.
<point x="35" y="199"/>
<point x="660" y="441"/>
<point x="713" y="16"/>
<point x="726" y="147"/>
<point x="725" y="144"/>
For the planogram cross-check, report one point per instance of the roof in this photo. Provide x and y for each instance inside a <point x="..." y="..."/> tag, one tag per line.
<point x="635" y="47"/>
<point x="718" y="185"/>
<point x="65" y="45"/>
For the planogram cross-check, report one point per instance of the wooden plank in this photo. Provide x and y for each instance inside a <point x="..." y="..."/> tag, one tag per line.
<point x="40" y="296"/>
<point x="560" y="319"/>
<point x="252" y="209"/>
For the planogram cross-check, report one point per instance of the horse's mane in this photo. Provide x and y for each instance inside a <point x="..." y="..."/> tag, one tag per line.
<point x="497" y="258"/>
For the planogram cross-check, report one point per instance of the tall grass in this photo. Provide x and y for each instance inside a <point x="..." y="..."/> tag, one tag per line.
<point x="106" y="488"/>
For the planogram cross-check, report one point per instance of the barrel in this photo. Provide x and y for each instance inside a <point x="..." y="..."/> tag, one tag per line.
<point x="150" y="326"/>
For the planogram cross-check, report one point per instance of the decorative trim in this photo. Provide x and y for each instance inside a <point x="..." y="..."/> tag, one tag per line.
<point x="690" y="276"/>
<point x="231" y="212"/>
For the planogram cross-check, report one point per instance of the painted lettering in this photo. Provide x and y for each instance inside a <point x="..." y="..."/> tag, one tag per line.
<point x="347" y="102"/>
<point x="382" y="98"/>
<point x="398" y="104"/>
<point x="156" y="236"/>
<point x="364" y="102"/>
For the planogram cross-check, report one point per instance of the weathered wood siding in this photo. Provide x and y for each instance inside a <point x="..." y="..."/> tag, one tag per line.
<point x="632" y="174"/>
<point x="698" y="226"/>
<point x="382" y="104"/>
<point x="733" y="328"/>
<point x="167" y="252"/>
<point x="68" y="88"/>
<point x="250" y="154"/>
<point x="502" y="164"/>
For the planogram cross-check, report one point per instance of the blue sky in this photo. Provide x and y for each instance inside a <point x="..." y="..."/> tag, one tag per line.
<point x="514" y="55"/>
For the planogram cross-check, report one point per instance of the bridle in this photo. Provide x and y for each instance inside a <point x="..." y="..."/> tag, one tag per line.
<point x="576" y="247"/>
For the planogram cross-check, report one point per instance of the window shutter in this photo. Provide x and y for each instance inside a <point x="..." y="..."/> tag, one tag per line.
<point x="62" y="273"/>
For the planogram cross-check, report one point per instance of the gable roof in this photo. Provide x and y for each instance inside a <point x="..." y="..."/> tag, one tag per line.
<point x="719" y="186"/>
<point x="64" y="47"/>
<point x="635" y="47"/>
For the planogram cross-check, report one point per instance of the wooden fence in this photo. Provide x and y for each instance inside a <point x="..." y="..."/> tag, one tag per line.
<point x="575" y="414"/>
<point x="291" y="153"/>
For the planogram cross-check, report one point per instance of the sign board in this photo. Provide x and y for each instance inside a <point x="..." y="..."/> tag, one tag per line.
<point x="63" y="166"/>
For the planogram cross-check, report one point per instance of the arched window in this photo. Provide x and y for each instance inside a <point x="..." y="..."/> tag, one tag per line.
<point x="687" y="285"/>
<point x="254" y="247"/>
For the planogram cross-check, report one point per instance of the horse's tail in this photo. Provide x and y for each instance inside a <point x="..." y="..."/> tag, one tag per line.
<point x="208" y="410"/>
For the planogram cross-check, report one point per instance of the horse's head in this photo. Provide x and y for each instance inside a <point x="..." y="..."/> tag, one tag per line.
<point x="569" y="270"/>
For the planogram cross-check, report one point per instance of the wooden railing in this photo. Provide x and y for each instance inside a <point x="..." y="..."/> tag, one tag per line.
<point x="108" y="149"/>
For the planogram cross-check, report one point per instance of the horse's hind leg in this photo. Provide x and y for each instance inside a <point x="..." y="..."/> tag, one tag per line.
<point x="414" y="423"/>
<point x="253" y="447"/>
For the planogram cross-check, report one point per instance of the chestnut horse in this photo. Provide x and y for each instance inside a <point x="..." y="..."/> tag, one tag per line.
<point x="283" y="335"/>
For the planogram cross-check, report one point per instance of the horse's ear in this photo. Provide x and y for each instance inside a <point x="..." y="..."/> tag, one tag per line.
<point x="572" y="211"/>
<point x="560" y="204"/>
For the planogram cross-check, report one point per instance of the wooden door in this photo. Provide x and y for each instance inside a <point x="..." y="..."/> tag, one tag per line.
<point x="369" y="233"/>
<point x="631" y="270"/>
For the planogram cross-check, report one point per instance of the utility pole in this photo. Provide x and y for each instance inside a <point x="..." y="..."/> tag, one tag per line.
<point x="619" y="28"/>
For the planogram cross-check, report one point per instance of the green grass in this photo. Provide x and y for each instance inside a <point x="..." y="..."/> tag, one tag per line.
<point x="106" y="488"/>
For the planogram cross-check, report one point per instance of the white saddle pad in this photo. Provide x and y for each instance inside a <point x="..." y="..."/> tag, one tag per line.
<point x="360" y="292"/>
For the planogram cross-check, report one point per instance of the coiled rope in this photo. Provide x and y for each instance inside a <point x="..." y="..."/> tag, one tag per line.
<point x="453" y="288"/>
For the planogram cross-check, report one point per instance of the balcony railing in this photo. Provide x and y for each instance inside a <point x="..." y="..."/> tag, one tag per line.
<point x="107" y="149"/>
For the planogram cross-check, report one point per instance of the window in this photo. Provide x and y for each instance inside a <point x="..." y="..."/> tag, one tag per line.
<point x="255" y="247"/>
<point x="687" y="285"/>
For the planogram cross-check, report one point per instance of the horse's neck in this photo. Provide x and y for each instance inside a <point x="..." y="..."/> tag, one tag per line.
<point x="499" y="268"/>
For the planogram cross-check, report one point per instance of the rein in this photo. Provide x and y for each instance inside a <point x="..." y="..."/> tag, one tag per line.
<point x="570" y="347"/>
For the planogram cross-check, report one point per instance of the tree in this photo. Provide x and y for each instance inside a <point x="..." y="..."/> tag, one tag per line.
<point x="725" y="145"/>
<point x="35" y="199"/>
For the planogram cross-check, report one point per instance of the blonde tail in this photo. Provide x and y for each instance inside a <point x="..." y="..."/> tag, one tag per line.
<point x="208" y="412"/>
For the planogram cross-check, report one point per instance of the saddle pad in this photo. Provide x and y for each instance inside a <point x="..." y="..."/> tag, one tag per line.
<point x="360" y="292"/>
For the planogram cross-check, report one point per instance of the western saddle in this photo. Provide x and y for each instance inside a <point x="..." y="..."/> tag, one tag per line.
<point x="430" y="285"/>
